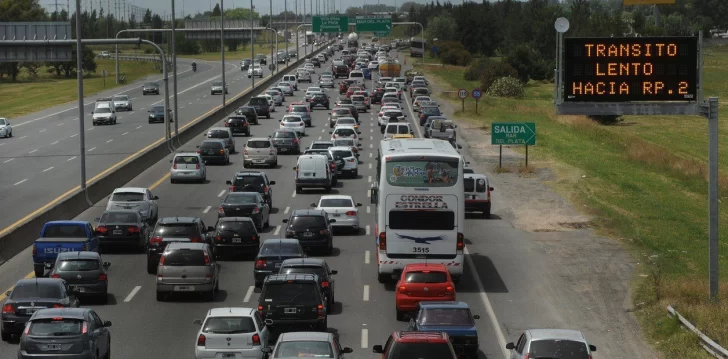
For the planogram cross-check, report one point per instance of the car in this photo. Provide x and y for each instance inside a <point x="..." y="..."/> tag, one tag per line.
<point x="271" y="255"/>
<point x="330" y="158"/>
<point x="68" y="332"/>
<point x="367" y="99"/>
<point x="156" y="114"/>
<point x="255" y="70"/>
<point x="376" y="95"/>
<point x="315" y="266"/>
<point x="419" y="91"/>
<point x="84" y="272"/>
<point x="425" y="345"/>
<point x="282" y="57"/>
<point x="351" y="89"/>
<point x="246" y="204"/>
<point x="292" y="301"/>
<point x="251" y="115"/>
<point x="302" y="111"/>
<point x="238" y="124"/>
<point x="344" y="85"/>
<point x="342" y="208"/>
<point x="344" y="132"/>
<point x="29" y="296"/>
<point x="307" y="344"/>
<point x="366" y="71"/>
<point x="260" y="151"/>
<point x="261" y="105"/>
<point x="149" y="88"/>
<point x="427" y="111"/>
<point x="341" y="70"/>
<point x="286" y="141"/>
<point x="319" y="99"/>
<point x="294" y="123"/>
<point x="6" y="130"/>
<point x="224" y="134"/>
<point x="309" y="67"/>
<point x="217" y="87"/>
<point x="230" y="333"/>
<point x="173" y="229"/>
<point x="389" y="94"/>
<point x="252" y="181"/>
<point x="123" y="227"/>
<point x="388" y="115"/>
<point x="320" y="145"/>
<point x="397" y="128"/>
<point x="359" y="102"/>
<point x="549" y="343"/>
<point x="416" y="102"/>
<point x="303" y="76"/>
<point x="422" y="282"/>
<point x="233" y="236"/>
<point x="292" y="81"/>
<point x="326" y="81"/>
<point x="420" y="78"/>
<point x="383" y="80"/>
<point x="351" y="163"/>
<point x="453" y="318"/>
<point x="277" y="97"/>
<point x="311" y="90"/>
<point x="356" y="75"/>
<point x="122" y="102"/>
<point x="103" y="115"/>
<point x="261" y="59"/>
<point x="373" y="65"/>
<point x="350" y="143"/>
<point x="344" y="101"/>
<point x="214" y="150"/>
<point x="137" y="198"/>
<point x="312" y="228"/>
<point x="313" y="171"/>
<point x="346" y="121"/>
<point x="245" y="64"/>
<point x="286" y="88"/>
<point x="352" y="110"/>
<point x="188" y="268"/>
<point x="316" y="61"/>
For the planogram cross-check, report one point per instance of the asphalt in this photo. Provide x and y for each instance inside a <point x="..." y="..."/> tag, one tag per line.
<point x="41" y="161"/>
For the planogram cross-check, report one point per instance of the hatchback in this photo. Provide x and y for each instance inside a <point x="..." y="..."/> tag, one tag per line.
<point x="187" y="166"/>
<point x="66" y="332"/>
<point x="123" y="227"/>
<point x="293" y="123"/>
<point x="286" y="88"/>
<point x="312" y="228"/>
<point x="422" y="282"/>
<point x="315" y="266"/>
<point x="231" y="333"/>
<point x="234" y="235"/>
<point x="238" y="124"/>
<point x="307" y="344"/>
<point x="302" y="111"/>
<point x="187" y="268"/>
<point x="421" y="345"/>
<point x="214" y="150"/>
<point x="173" y="229"/>
<point x="551" y="343"/>
<point x="260" y="151"/>
<point x="225" y="134"/>
<point x="84" y="272"/>
<point x="351" y="163"/>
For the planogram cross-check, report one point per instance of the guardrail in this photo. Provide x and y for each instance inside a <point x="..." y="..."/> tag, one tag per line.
<point x="74" y="203"/>
<point x="708" y="344"/>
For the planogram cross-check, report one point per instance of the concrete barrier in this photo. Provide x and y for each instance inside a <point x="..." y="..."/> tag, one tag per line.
<point x="24" y="235"/>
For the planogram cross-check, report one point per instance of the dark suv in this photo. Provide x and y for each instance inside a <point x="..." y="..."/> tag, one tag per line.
<point x="316" y="266"/>
<point x="261" y="106"/>
<point x="312" y="228"/>
<point x="238" y="124"/>
<point x="417" y="345"/>
<point x="253" y="181"/>
<point x="319" y="99"/>
<point x="173" y="229"/>
<point x="290" y="301"/>
<point x="341" y="71"/>
<point x="377" y="95"/>
<point x="235" y="235"/>
<point x="249" y="112"/>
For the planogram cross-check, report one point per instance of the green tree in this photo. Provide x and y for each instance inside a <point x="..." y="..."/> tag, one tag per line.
<point x="216" y="11"/>
<point x="18" y="10"/>
<point x="442" y="28"/>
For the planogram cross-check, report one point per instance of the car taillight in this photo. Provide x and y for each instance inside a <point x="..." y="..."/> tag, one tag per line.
<point x="325" y="284"/>
<point x="195" y="239"/>
<point x="460" y="242"/>
<point x="260" y="308"/>
<point x="272" y="151"/>
<point x="222" y="152"/>
<point x="57" y="306"/>
<point x="103" y="276"/>
<point x="324" y="232"/>
<point x="155" y="240"/>
<point x="333" y="166"/>
<point x="320" y="309"/>
<point x="227" y="124"/>
<point x="232" y="188"/>
<point x="175" y="166"/>
<point x="35" y="250"/>
<point x="352" y="160"/>
<point x="402" y="289"/>
<point x="220" y="210"/>
<point x="256" y="210"/>
<point x="198" y="166"/>
<point x="101" y="229"/>
<point x="161" y="262"/>
<point x="8" y="308"/>
<point x="134" y="229"/>
<point x="383" y="241"/>
<point x="55" y="276"/>
<point x="27" y="329"/>
<point x="301" y="124"/>
<point x="295" y="140"/>
<point x="265" y="189"/>
<point x="333" y="136"/>
<point x="198" y="151"/>
<point x="201" y="340"/>
<point x="260" y="264"/>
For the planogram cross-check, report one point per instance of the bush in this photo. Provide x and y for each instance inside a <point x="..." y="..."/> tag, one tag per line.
<point x="530" y="64"/>
<point x="476" y="69"/>
<point x="444" y="47"/>
<point x="459" y="57"/>
<point x="494" y="71"/>
<point x="607" y="120"/>
<point x="506" y="87"/>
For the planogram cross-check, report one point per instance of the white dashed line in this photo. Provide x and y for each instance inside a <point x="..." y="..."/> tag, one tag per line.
<point x="371" y="130"/>
<point x="369" y="209"/>
<point x="74" y="135"/>
<point x="278" y="230"/>
<point x="221" y="193"/>
<point x="22" y="137"/>
<point x="132" y="294"/>
<point x="368" y="230"/>
<point x="6" y="161"/>
<point x="91" y="149"/>
<point x="109" y="141"/>
<point x="294" y="194"/>
<point x="365" y="338"/>
<point x="371" y="145"/>
<point x="189" y="103"/>
<point x="33" y="151"/>
<point x="248" y="294"/>
<point x="369" y="194"/>
<point x="367" y="256"/>
<point x="2" y="143"/>
<point x="17" y="183"/>
<point x="125" y="133"/>
<point x="207" y="209"/>
<point x="60" y="124"/>
<point x="138" y="127"/>
<point x="48" y="169"/>
<point x="365" y="295"/>
<point x="324" y="130"/>
<point x="43" y="130"/>
<point x="54" y="143"/>
<point x="89" y="129"/>
<point x="319" y="138"/>
<point x="71" y="159"/>
<point x="370" y="155"/>
<point x="287" y="209"/>
<point x="370" y="166"/>
<point x="369" y="179"/>
<point x="371" y="138"/>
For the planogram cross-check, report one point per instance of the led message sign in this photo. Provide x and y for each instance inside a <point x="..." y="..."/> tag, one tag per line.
<point x="630" y="69"/>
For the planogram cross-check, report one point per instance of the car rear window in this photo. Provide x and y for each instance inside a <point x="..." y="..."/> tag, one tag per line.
<point x="241" y="198"/>
<point x="127" y="197"/>
<point x="357" y="98"/>
<point x="249" y="180"/>
<point x="112" y="217"/>
<point x="258" y="101"/>
<point x="78" y="265"/>
<point x="422" y="350"/>
<point x="237" y="227"/>
<point x="229" y="325"/>
<point x="471" y="184"/>
<point x="304" y="349"/>
<point x="562" y="349"/>
<point x="284" y="134"/>
<point x="302" y="222"/>
<point x="346" y="121"/>
<point x="275" y="248"/>
<point x="184" y="257"/>
<point x="211" y="145"/>
<point x="319" y="271"/>
<point x="186" y="160"/>
<point x="426" y="277"/>
<point x="299" y="109"/>
<point x="218" y="134"/>
<point x="343" y="142"/>
<point x="39" y="290"/>
<point x="339" y="154"/>
<point x="236" y="119"/>
<point x="430" y="110"/>
<point x="258" y="144"/>
<point x="336" y="202"/>
<point x="342" y="111"/>
<point x="54" y="327"/>
<point x="320" y="146"/>
<point x="448" y="317"/>
<point x="346" y="132"/>
<point x="176" y="230"/>
<point x="288" y="292"/>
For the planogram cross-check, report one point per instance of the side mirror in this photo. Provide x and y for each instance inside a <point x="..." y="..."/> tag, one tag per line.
<point x="592" y="348"/>
<point x="285" y="221"/>
<point x="378" y="349"/>
<point x="170" y="161"/>
<point x="97" y="219"/>
<point x="476" y="317"/>
<point x="107" y="264"/>
<point x="358" y="133"/>
<point x="332" y="221"/>
<point x="313" y="204"/>
<point x="229" y="183"/>
<point x="294" y="168"/>
<point x="197" y="321"/>
<point x="107" y="323"/>
<point x="347" y="350"/>
<point x="272" y="182"/>
<point x="510" y="346"/>
<point x="331" y="132"/>
<point x="266" y="350"/>
<point x="358" y="204"/>
<point x="334" y="272"/>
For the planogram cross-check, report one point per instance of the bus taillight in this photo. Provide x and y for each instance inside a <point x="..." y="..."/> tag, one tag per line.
<point x="460" y="243"/>
<point x="383" y="241"/>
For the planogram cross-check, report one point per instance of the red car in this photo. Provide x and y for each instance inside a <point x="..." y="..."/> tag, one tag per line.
<point x="422" y="282"/>
<point x="351" y="91"/>
<point x="417" y="345"/>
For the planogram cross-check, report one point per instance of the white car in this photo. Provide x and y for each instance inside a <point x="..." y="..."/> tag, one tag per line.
<point x="344" y="132"/>
<point x="122" y="102"/>
<point x="255" y="70"/>
<point x="231" y="333"/>
<point x="373" y="65"/>
<point x="276" y="96"/>
<point x="271" y="102"/>
<point x="341" y="208"/>
<point x="5" y="129"/>
<point x="390" y="92"/>
<point x="286" y="88"/>
<point x="386" y="115"/>
<point x="137" y="199"/>
<point x="294" y="123"/>
<point x="351" y="163"/>
<point x="346" y="121"/>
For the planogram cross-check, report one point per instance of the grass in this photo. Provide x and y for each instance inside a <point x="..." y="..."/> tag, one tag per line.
<point x="241" y="53"/>
<point x="645" y="184"/>
<point x="34" y="94"/>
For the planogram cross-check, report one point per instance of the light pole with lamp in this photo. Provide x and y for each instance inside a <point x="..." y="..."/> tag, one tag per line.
<point x="222" y="51"/>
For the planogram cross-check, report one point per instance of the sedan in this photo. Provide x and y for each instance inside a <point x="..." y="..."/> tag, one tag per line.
<point x="5" y="129"/>
<point x="234" y="235"/>
<point x="286" y="140"/>
<point x="122" y="102"/>
<point x="272" y="254"/>
<point x="246" y="204"/>
<point x="326" y="81"/>
<point x="277" y="97"/>
<point x="294" y="123"/>
<point x="150" y="87"/>
<point x="342" y="208"/>
<point x="217" y="87"/>
<point x="373" y="65"/>
<point x="286" y="88"/>
<point x="123" y="228"/>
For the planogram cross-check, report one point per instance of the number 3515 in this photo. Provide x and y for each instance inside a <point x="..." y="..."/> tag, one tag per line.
<point x="420" y="250"/>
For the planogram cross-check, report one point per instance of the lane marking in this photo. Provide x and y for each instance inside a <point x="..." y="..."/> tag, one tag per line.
<point x="159" y="181"/>
<point x="43" y="130"/>
<point x="369" y="179"/>
<point x="207" y="209"/>
<point x="319" y="138"/>
<point x="91" y="149"/>
<point x="33" y="151"/>
<point x="54" y="143"/>
<point x="221" y="193"/>
<point x="48" y="169"/>
<point x="60" y="124"/>
<point x="365" y="338"/>
<point x="109" y="140"/>
<point x="371" y="138"/>
<point x="370" y="155"/>
<point x="125" y="133"/>
<point x="74" y="135"/>
<point x="6" y="161"/>
<point x="138" y="127"/>
<point x="365" y="295"/>
<point x="89" y="129"/>
<point x="17" y="183"/>
<point x="294" y="194"/>
<point x="287" y="209"/>
<point x="278" y="230"/>
<point x="367" y="256"/>
<point x="369" y="194"/>
<point x="368" y="229"/>
<point x="22" y="137"/>
<point x="371" y="145"/>
<point x="2" y="143"/>
<point x="369" y="209"/>
<point x="248" y="294"/>
<point x="71" y="159"/>
<point x="370" y="166"/>
<point x="132" y="294"/>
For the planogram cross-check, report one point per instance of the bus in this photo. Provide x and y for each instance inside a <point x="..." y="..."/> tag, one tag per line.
<point x="419" y="199"/>
<point x="417" y="47"/>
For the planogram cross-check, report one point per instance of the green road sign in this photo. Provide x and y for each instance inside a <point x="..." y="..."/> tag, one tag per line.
<point x="373" y="23"/>
<point x="330" y="24"/>
<point x="381" y="33"/>
<point x="513" y="133"/>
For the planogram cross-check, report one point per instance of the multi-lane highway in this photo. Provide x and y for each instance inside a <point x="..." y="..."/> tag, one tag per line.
<point x="41" y="161"/>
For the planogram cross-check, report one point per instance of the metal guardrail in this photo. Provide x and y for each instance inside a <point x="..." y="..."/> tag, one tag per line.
<point x="708" y="344"/>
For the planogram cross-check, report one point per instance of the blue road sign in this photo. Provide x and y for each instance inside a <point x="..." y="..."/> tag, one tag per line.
<point x="477" y="94"/>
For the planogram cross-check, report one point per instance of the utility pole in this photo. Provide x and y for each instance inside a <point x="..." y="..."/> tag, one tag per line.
<point x="252" y="47"/>
<point x="305" y="38"/>
<point x="273" y="61"/>
<point x="285" y="25"/>
<point x="222" y="51"/>
<point x="174" y="71"/>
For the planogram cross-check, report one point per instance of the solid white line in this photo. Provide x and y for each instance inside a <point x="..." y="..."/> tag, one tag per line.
<point x="294" y="194"/>
<point x="17" y="183"/>
<point x="22" y="137"/>
<point x="138" y="127"/>
<point x="91" y="149"/>
<point x="48" y="169"/>
<point x="371" y="145"/>
<point x="370" y="179"/>
<point x="207" y="209"/>
<point x="367" y="254"/>
<point x="6" y="161"/>
<point x="54" y="143"/>
<point x="221" y="193"/>
<point x="287" y="209"/>
<point x="125" y="133"/>
<point x="278" y="230"/>
<point x="365" y="338"/>
<point x="248" y="294"/>
<point x="71" y="159"/>
<point x="74" y="135"/>
<point x="43" y="130"/>
<point x="109" y="140"/>
<point x="33" y="151"/>
<point x="486" y="303"/>
<point x="132" y="294"/>
<point x="369" y="209"/>
<point x="365" y="295"/>
<point x="368" y="229"/>
<point x="2" y="143"/>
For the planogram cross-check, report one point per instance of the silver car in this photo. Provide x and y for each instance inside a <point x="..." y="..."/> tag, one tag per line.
<point x="341" y="208"/>
<point x="260" y="151"/>
<point x="187" y="166"/>
<point x="135" y="198"/>
<point x="122" y="102"/>
<point x="359" y="102"/>
<point x="5" y="129"/>
<point x="303" y="75"/>
<point x="326" y="81"/>
<point x="217" y="87"/>
<point x="187" y="267"/>
<point x="550" y="343"/>
<point x="276" y="96"/>
<point x="68" y="332"/>
<point x="286" y="88"/>
<point x="293" y="345"/>
<point x="229" y="332"/>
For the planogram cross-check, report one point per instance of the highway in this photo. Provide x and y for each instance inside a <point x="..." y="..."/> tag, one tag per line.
<point x="41" y="161"/>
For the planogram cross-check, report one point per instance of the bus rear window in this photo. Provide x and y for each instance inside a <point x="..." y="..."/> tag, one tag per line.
<point x="422" y="220"/>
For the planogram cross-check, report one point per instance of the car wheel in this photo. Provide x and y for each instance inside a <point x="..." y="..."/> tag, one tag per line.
<point x="328" y="189"/>
<point x="11" y="133"/>
<point x="330" y="248"/>
<point x="150" y="121"/>
<point x="486" y="214"/>
<point x="268" y="116"/>
<point x="299" y="190"/>
<point x="355" y="174"/>
<point x="400" y="316"/>
<point x="104" y="298"/>
<point x="324" y="326"/>
<point x="383" y="278"/>
<point x="151" y="267"/>
<point x="171" y="180"/>
<point x="211" y="295"/>
<point x="160" y="296"/>
<point x="6" y="336"/>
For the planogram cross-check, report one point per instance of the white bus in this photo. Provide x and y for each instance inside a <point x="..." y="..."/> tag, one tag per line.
<point x="420" y="206"/>
<point x="417" y="47"/>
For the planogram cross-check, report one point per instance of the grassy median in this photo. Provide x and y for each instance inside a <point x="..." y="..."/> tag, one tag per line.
<point x="31" y="94"/>
<point x="645" y="184"/>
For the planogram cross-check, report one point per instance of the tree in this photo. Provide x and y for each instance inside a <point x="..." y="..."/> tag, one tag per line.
<point x="68" y="69"/>
<point x="147" y="17"/>
<point x="19" y="10"/>
<point x="442" y="28"/>
<point x="216" y="11"/>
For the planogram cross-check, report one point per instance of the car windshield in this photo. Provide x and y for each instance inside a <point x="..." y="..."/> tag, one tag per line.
<point x="184" y="257"/>
<point x="305" y="222"/>
<point x="103" y="110"/>
<point x="217" y="83"/>
<point x="78" y="265"/>
<point x="127" y="197"/>
<point x="121" y="98"/>
<point x="305" y="349"/>
<point x="116" y="217"/>
<point x="346" y="132"/>
<point x="336" y="202"/>
<point x="422" y="350"/>
<point x="288" y="292"/>
<point x="55" y="327"/>
<point x="258" y="144"/>
<point x="158" y="109"/>
<point x="284" y="134"/>
<point x="339" y="154"/>
<point x="218" y="134"/>
<point x="299" y="109"/>
<point x="562" y="349"/>
<point x="36" y="290"/>
<point x="241" y="198"/>
<point x="343" y="142"/>
<point x="229" y="325"/>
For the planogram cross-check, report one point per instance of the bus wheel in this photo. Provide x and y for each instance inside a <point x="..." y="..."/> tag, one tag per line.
<point x="383" y="278"/>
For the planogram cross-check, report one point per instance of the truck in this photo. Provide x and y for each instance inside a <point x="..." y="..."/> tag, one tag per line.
<point x="59" y="237"/>
<point x="391" y="68"/>
<point x="353" y="40"/>
<point x="310" y="37"/>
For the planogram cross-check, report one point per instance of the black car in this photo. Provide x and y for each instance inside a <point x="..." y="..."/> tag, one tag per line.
<point x="312" y="227"/>
<point x="213" y="150"/>
<point x="286" y="141"/>
<point x="319" y="99"/>
<point x="335" y="167"/>
<point x="261" y="59"/>
<point x="250" y="113"/>
<point x="376" y="95"/>
<point x="341" y="71"/>
<point x="238" y="124"/>
<point x="68" y="332"/>
<point x="315" y="61"/>
<point x="84" y="272"/>
<point x="233" y="235"/>
<point x="150" y="87"/>
<point x="253" y="181"/>
<point x="292" y="301"/>
<point x="122" y="228"/>
<point x="271" y="254"/>
<point x="428" y="111"/>
<point x="261" y="106"/>
<point x="156" y="114"/>
<point x="316" y="266"/>
<point x="29" y="296"/>
<point x="174" y="229"/>
<point x="246" y="204"/>
<point x="245" y="64"/>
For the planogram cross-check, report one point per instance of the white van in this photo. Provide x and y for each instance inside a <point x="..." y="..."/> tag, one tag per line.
<point x="356" y="75"/>
<point x="312" y="171"/>
<point x="396" y="128"/>
<point x="291" y="79"/>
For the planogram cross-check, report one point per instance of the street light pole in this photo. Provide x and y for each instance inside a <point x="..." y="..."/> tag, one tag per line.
<point x="174" y="71"/>
<point x="285" y="26"/>
<point x="273" y="61"/>
<point x="222" y="51"/>
<point x="252" y="48"/>
<point x="79" y="77"/>
<point x="305" y="38"/>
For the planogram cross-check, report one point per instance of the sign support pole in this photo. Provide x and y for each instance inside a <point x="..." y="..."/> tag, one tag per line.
<point x="500" y="156"/>
<point x="712" y="115"/>
<point x="476" y="106"/>
<point x="463" y="101"/>
<point x="526" y="156"/>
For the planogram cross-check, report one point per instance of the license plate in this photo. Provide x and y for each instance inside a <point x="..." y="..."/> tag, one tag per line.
<point x="283" y="149"/>
<point x="184" y="288"/>
<point x="237" y="240"/>
<point x="210" y="152"/>
<point x="79" y="289"/>
<point x="30" y="311"/>
<point x="307" y="174"/>
<point x="289" y="310"/>
<point x="117" y="231"/>
<point x="308" y="234"/>
<point x="53" y="347"/>
<point x="228" y="355"/>
<point x="258" y="161"/>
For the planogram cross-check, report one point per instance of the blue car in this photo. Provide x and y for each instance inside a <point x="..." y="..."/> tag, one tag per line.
<point x="453" y="318"/>
<point x="367" y="73"/>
